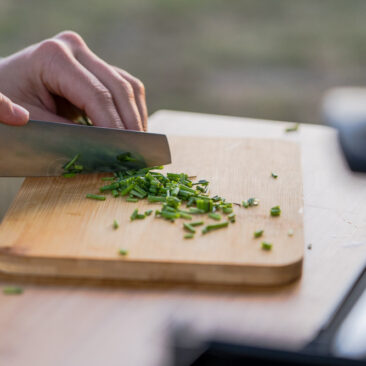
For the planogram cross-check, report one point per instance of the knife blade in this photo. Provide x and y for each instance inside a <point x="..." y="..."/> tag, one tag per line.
<point x="43" y="148"/>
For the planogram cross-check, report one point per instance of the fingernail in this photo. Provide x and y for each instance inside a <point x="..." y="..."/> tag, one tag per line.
<point x="20" y="113"/>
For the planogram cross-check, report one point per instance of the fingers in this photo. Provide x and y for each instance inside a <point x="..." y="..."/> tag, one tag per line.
<point x="63" y="75"/>
<point x="11" y="113"/>
<point x="41" y="114"/>
<point x="139" y="92"/>
<point x="123" y="91"/>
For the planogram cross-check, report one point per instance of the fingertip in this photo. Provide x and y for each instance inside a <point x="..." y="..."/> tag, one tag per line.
<point x="20" y="114"/>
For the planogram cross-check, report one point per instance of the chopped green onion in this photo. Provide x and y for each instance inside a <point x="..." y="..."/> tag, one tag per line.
<point x="107" y="178"/>
<point x="245" y="204"/>
<point x="209" y="228"/>
<point x="196" y="223"/>
<point x="189" y="227"/>
<point x="71" y="162"/>
<point x="131" y="199"/>
<point x="95" y="197"/>
<point x="293" y="128"/>
<point x="69" y="175"/>
<point x="275" y="211"/>
<point x="148" y="212"/>
<point x="189" y="236"/>
<point x="115" y="193"/>
<point x="275" y="176"/>
<point x="215" y="216"/>
<point x="115" y="224"/>
<point x="134" y="214"/>
<point x="227" y="210"/>
<point x="258" y="233"/>
<point x="156" y="198"/>
<point x="232" y="217"/>
<point x="266" y="245"/>
<point x="123" y="252"/>
<point x="12" y="290"/>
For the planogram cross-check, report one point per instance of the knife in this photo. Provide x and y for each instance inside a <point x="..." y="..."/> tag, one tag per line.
<point x="43" y="149"/>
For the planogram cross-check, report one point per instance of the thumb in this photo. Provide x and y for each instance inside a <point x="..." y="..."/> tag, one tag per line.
<point x="11" y="113"/>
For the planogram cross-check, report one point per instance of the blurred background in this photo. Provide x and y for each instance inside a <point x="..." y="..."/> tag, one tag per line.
<point x="269" y="59"/>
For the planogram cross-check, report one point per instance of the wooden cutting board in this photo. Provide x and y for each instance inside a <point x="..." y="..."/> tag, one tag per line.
<point x="51" y="229"/>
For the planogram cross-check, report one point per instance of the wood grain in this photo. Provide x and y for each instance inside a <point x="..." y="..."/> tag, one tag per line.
<point x="52" y="229"/>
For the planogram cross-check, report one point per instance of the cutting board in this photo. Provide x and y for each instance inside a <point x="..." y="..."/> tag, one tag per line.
<point x="52" y="230"/>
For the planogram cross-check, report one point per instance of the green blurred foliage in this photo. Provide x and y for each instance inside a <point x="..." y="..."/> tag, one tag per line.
<point x="261" y="58"/>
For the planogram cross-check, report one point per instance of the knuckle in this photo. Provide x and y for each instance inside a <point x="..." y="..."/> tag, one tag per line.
<point x="51" y="47"/>
<point x="71" y="37"/>
<point x="127" y="89"/>
<point x="103" y="96"/>
<point x="139" y="86"/>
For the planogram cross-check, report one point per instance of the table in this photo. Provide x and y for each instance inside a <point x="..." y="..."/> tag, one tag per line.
<point x="77" y="323"/>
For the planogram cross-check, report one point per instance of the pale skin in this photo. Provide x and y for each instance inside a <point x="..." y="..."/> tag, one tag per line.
<point x="60" y="78"/>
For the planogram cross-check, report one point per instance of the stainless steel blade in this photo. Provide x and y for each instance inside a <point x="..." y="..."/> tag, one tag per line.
<point x="43" y="149"/>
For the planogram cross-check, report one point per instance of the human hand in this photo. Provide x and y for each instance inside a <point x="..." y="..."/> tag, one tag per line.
<point x="60" y="78"/>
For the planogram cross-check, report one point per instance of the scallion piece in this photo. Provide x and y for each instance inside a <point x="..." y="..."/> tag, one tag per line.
<point x="151" y="198"/>
<point x="189" y="227"/>
<point x="134" y="214"/>
<point x="215" y="216"/>
<point x="71" y="162"/>
<point x="115" y="224"/>
<point x="95" y="197"/>
<point x="232" y="217"/>
<point x="148" y="212"/>
<point x="275" y="211"/>
<point x="266" y="245"/>
<point x="274" y="175"/>
<point x="131" y="199"/>
<point x="12" y="290"/>
<point x="196" y="223"/>
<point x="69" y="175"/>
<point x="189" y="236"/>
<point x="123" y="252"/>
<point x="209" y="228"/>
<point x="258" y="233"/>
<point x="108" y="178"/>
<point x="293" y="128"/>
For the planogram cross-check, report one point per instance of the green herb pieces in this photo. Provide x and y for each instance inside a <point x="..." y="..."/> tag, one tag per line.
<point x="109" y="187"/>
<point x="115" y="224"/>
<point x="196" y="223"/>
<point x="148" y="212"/>
<point x="266" y="245"/>
<point x="274" y="175"/>
<point x="12" y="290"/>
<point x="189" y="227"/>
<point x="115" y="193"/>
<point x="275" y="211"/>
<point x="290" y="232"/>
<point x="258" y="233"/>
<point x="209" y="228"/>
<point x="251" y="202"/>
<point x="68" y="166"/>
<point x="227" y="210"/>
<point x="131" y="199"/>
<point x="107" y="178"/>
<point x="96" y="197"/>
<point x="123" y="252"/>
<point x="293" y="128"/>
<point x="69" y="175"/>
<point x="232" y="217"/>
<point x="189" y="236"/>
<point x="156" y="198"/>
<point x="134" y="214"/>
<point x="214" y="216"/>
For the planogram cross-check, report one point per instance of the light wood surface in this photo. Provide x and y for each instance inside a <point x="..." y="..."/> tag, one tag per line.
<point x="74" y="324"/>
<point x="53" y="230"/>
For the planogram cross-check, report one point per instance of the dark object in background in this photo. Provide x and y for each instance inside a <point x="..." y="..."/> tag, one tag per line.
<point x="327" y="349"/>
<point x="345" y="110"/>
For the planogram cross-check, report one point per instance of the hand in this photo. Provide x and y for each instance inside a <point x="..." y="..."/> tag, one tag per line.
<point x="60" y="78"/>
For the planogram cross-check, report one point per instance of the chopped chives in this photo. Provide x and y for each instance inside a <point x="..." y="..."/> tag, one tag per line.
<point x="189" y="236"/>
<point x="131" y="199"/>
<point x="71" y="162"/>
<point x="109" y="187"/>
<point x="115" y="193"/>
<point x="232" y="217"/>
<point x="95" y="197"/>
<point x="227" y="210"/>
<point x="134" y="214"/>
<point x="69" y="175"/>
<point x="115" y="224"/>
<point x="189" y="227"/>
<point x="274" y="175"/>
<point x="156" y="198"/>
<point x="275" y="211"/>
<point x="196" y="223"/>
<point x="12" y="290"/>
<point x="266" y="245"/>
<point x="215" y="216"/>
<point x="293" y="128"/>
<point x="209" y="228"/>
<point x="123" y="252"/>
<point x="107" y="178"/>
<point x="148" y="212"/>
<point x="258" y="233"/>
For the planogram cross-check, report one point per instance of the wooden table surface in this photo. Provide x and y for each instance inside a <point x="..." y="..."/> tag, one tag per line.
<point x="90" y="324"/>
